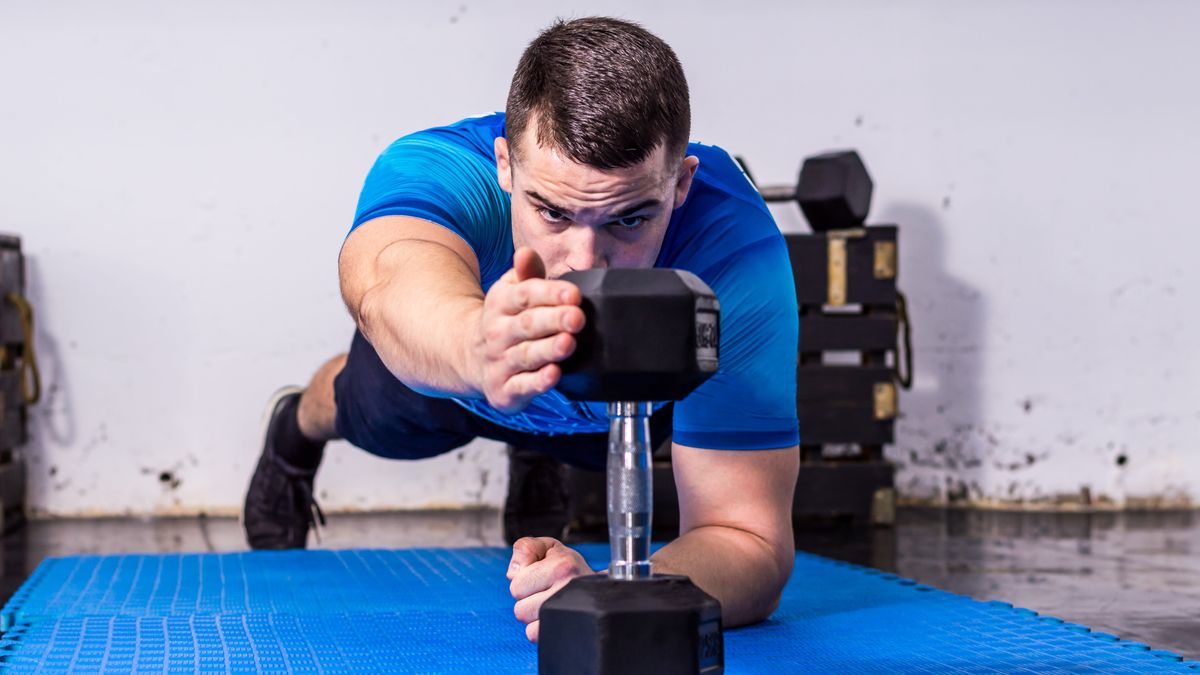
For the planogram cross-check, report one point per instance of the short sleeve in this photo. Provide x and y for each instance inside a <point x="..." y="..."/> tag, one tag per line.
<point x="750" y="404"/>
<point x="435" y="176"/>
<point x="725" y="235"/>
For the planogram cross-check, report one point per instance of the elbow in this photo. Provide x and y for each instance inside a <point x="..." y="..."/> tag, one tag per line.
<point x="773" y="593"/>
<point x="774" y="577"/>
<point x="761" y="609"/>
<point x="363" y="309"/>
<point x="783" y="559"/>
<point x="769" y="608"/>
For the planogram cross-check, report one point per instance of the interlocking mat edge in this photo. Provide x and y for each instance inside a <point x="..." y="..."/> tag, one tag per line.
<point x="448" y="610"/>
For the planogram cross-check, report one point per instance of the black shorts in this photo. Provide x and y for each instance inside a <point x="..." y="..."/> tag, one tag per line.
<point x="378" y="413"/>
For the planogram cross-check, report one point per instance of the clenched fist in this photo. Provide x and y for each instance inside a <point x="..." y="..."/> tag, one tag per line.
<point x="540" y="566"/>
<point x="527" y="327"/>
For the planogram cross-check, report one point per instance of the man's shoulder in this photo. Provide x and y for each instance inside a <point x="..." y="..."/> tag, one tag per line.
<point x="721" y="171"/>
<point x="488" y="126"/>
<point x="723" y="218"/>
<point x="722" y="197"/>
<point x="477" y="134"/>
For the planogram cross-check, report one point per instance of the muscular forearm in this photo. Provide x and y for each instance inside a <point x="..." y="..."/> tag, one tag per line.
<point x="419" y="317"/>
<point x="414" y="289"/>
<point x="741" y="570"/>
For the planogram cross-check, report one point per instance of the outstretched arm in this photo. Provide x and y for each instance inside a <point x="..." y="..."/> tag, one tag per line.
<point x="413" y="287"/>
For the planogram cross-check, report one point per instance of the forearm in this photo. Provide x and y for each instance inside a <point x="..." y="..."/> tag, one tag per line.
<point x="420" y="314"/>
<point x="740" y="569"/>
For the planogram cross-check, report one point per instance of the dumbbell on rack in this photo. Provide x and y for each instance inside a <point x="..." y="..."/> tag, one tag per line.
<point x="650" y="335"/>
<point x="845" y="274"/>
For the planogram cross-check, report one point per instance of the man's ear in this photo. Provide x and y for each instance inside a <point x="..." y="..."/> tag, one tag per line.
<point x="503" y="164"/>
<point x="687" y="171"/>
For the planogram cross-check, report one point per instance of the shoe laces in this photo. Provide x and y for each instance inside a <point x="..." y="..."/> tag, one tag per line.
<point x="312" y="511"/>
<point x="299" y="485"/>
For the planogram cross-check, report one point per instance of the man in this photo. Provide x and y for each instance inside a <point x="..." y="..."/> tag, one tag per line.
<point x="450" y="271"/>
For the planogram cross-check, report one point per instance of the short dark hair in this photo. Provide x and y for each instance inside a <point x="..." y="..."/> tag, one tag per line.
<point x="605" y="92"/>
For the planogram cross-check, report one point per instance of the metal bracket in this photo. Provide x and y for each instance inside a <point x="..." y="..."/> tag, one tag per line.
<point x="885" y="401"/>
<point x="837" y="264"/>
<point x="885" y="260"/>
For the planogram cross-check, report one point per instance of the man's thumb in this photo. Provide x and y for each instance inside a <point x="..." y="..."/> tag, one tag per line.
<point x="528" y="265"/>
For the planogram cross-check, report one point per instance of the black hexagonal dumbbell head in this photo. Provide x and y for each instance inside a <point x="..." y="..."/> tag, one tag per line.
<point x="651" y="335"/>
<point x="834" y="191"/>
<point x="661" y="625"/>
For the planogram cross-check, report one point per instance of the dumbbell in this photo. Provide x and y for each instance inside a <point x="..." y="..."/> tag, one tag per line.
<point x="834" y="190"/>
<point x="650" y="335"/>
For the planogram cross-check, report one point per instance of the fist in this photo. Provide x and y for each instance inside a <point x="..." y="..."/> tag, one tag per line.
<point x="527" y="327"/>
<point x="540" y="566"/>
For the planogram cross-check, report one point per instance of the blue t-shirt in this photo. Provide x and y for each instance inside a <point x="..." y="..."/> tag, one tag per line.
<point x="723" y="233"/>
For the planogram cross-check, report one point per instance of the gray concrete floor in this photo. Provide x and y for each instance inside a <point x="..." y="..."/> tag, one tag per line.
<point x="1136" y="575"/>
<point x="1133" y="574"/>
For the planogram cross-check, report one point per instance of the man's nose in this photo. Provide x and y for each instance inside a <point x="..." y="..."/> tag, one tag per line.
<point x="585" y="251"/>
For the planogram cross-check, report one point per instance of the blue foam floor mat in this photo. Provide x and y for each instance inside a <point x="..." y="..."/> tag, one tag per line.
<point x="448" y="610"/>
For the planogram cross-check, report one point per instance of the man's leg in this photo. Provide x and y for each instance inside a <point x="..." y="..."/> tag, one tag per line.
<point x="280" y="505"/>
<point x="317" y="412"/>
<point x="305" y="421"/>
<point x="354" y="397"/>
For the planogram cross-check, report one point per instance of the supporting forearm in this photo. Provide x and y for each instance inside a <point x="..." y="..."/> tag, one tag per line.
<point x="422" y="315"/>
<point x="740" y="569"/>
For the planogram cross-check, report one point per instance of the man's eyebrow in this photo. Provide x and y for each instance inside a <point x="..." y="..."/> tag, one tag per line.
<point x="548" y="204"/>
<point x="645" y="204"/>
<point x="637" y="207"/>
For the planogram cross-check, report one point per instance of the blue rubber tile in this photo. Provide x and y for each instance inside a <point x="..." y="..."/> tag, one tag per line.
<point x="449" y="611"/>
<point x="397" y="642"/>
<point x="296" y="582"/>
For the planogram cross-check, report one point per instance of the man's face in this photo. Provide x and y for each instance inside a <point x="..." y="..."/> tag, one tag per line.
<point x="577" y="217"/>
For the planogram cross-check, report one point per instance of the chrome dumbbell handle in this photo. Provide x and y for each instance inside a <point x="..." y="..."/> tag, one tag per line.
<point x="630" y="495"/>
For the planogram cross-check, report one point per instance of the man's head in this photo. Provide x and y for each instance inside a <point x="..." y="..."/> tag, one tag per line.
<point x="597" y="129"/>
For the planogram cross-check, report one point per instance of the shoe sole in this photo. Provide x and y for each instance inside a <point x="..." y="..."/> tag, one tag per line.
<point x="272" y="404"/>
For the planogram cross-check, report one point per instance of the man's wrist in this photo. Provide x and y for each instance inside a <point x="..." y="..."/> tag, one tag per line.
<point x="470" y="363"/>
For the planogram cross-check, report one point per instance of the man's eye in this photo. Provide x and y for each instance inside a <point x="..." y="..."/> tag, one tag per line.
<point x="551" y="215"/>
<point x="631" y="222"/>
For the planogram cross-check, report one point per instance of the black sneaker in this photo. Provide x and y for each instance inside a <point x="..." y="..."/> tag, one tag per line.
<point x="537" y="496"/>
<point x="280" y="507"/>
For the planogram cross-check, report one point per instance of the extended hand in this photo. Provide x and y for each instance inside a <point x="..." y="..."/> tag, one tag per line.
<point x="527" y="326"/>
<point x="540" y="566"/>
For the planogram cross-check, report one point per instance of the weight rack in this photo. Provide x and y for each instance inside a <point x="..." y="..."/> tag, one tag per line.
<point x="19" y="384"/>
<point x="846" y="391"/>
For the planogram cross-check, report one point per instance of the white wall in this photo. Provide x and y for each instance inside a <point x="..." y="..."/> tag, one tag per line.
<point x="183" y="176"/>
